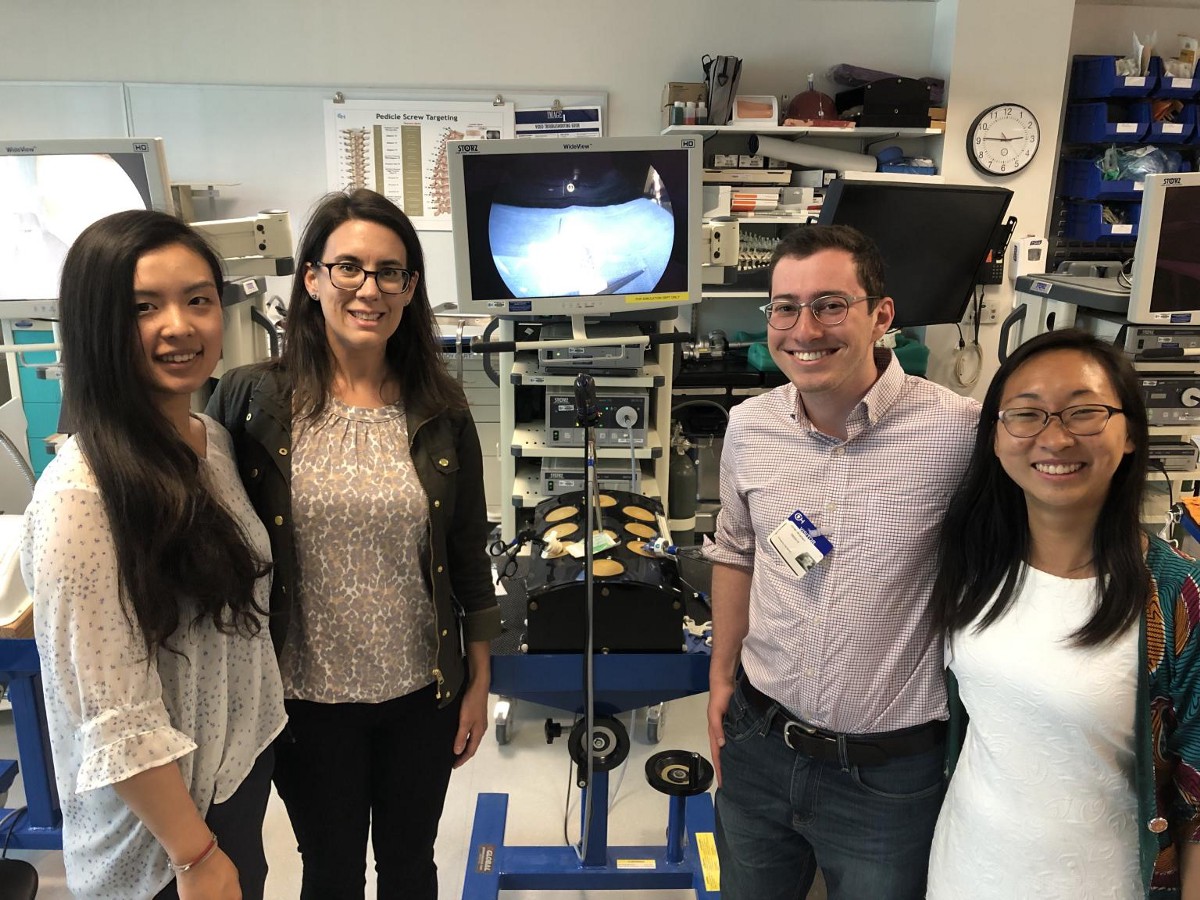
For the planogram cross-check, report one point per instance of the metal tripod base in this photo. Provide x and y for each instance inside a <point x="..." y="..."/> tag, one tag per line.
<point x="688" y="860"/>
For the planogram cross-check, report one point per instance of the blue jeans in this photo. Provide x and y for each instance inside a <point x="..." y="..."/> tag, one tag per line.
<point x="781" y="815"/>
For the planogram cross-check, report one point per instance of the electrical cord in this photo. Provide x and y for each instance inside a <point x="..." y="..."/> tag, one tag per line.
<point x="1123" y="276"/>
<point x="15" y="816"/>
<point x="613" y="796"/>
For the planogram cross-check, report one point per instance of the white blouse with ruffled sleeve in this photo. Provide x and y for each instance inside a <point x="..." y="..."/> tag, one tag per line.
<point x="212" y="707"/>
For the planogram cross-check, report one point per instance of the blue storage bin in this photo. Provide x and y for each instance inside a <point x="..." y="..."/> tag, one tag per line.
<point x="1095" y="77"/>
<point x="1085" y="222"/>
<point x="1079" y="179"/>
<point x="1176" y="132"/>
<point x="39" y="456"/>
<point x="904" y="169"/>
<point x="1169" y="87"/>
<point x="1089" y="123"/>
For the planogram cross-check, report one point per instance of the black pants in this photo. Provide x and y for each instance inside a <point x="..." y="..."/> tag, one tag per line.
<point x="352" y="766"/>
<point x="238" y="825"/>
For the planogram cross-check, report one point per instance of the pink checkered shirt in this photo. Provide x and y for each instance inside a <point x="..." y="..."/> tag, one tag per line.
<point x="848" y="647"/>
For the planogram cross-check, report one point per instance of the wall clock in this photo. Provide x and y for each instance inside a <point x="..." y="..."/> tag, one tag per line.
<point x="1003" y="139"/>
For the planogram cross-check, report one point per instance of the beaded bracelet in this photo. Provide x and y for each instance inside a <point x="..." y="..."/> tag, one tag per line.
<point x="208" y="851"/>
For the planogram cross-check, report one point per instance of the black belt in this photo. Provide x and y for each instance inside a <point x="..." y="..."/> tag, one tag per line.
<point x="853" y="749"/>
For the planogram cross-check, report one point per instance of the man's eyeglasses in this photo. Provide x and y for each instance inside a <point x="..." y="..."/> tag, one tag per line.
<point x="828" y="309"/>
<point x="350" y="277"/>
<point x="1081" y="421"/>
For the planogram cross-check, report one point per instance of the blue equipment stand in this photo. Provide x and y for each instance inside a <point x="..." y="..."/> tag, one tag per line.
<point x="622" y="682"/>
<point x="40" y="826"/>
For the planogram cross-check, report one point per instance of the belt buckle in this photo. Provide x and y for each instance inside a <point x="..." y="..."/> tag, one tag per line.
<point x="787" y="733"/>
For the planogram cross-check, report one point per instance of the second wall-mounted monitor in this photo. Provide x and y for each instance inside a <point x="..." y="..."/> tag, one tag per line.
<point x="51" y="190"/>
<point x="1166" y="264"/>
<point x="591" y="226"/>
<point x="933" y="238"/>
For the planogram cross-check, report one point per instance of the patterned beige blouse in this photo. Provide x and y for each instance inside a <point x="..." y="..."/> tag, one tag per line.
<point x="364" y="625"/>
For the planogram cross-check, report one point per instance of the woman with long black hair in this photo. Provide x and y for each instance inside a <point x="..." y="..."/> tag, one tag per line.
<point x="1073" y="639"/>
<point x="150" y="578"/>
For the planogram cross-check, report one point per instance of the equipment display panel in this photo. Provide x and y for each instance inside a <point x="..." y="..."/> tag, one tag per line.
<point x="50" y="191"/>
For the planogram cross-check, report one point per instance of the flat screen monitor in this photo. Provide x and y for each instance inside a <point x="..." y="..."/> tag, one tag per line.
<point x="591" y="226"/>
<point x="933" y="238"/>
<point x="1166" y="264"/>
<point x="51" y="190"/>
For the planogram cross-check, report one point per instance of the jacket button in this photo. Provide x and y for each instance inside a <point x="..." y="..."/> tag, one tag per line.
<point x="437" y="503"/>
<point x="283" y="588"/>
<point x="248" y="415"/>
<point x="443" y="461"/>
<point x="439" y="568"/>
<point x="254" y="473"/>
<point x="279" y="520"/>
<point x="444" y="632"/>
<point x="1158" y="824"/>
<point x="283" y="451"/>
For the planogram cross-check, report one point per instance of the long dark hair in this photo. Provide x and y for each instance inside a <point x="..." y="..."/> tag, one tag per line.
<point x="413" y="352"/>
<point x="179" y="551"/>
<point x="985" y="535"/>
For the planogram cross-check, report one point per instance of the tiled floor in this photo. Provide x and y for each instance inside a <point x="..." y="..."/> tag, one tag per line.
<point x="534" y="775"/>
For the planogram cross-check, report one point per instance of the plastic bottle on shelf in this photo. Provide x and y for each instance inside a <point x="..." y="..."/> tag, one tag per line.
<point x="678" y="113"/>
<point x="701" y="113"/>
<point x="690" y="113"/>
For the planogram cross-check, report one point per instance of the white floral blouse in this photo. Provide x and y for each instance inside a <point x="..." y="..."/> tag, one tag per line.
<point x="213" y="707"/>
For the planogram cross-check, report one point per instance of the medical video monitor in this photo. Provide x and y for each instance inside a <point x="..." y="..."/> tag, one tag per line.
<point x="50" y="191"/>
<point x="1166" y="264"/>
<point x="933" y="238"/>
<point x="581" y="226"/>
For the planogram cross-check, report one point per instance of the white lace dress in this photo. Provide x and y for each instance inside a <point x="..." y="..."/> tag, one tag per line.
<point x="1043" y="802"/>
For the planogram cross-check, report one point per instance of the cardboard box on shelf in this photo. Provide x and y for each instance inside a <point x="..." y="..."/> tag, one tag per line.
<point x="693" y="91"/>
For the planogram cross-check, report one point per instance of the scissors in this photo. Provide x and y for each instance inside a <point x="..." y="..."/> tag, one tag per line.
<point x="508" y="568"/>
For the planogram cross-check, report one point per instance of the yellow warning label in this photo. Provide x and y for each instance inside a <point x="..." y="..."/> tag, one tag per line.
<point x="709" y="864"/>
<point x="672" y="297"/>
<point x="635" y="864"/>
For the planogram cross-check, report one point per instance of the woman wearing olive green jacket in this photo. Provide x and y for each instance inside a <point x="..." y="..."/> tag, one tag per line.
<point x="361" y="458"/>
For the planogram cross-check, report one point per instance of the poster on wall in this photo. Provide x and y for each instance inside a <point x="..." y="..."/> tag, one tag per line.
<point x="559" y="122"/>
<point x="398" y="148"/>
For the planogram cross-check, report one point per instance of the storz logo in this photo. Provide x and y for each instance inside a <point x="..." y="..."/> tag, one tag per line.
<point x="468" y="148"/>
<point x="688" y="143"/>
<point x="1167" y="181"/>
<point x="141" y="148"/>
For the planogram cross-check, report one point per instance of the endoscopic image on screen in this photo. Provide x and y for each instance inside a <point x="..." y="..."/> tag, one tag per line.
<point x="583" y="228"/>
<point x="45" y="202"/>
<point x="1177" y="267"/>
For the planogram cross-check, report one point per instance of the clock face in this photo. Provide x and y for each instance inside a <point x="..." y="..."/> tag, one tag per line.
<point x="1003" y="139"/>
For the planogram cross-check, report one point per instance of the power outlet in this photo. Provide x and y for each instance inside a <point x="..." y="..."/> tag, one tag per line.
<point x="989" y="312"/>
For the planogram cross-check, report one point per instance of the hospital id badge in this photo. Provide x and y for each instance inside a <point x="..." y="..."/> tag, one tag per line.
<point x="800" y="543"/>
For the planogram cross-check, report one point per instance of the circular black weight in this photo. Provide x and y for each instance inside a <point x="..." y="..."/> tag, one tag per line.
<point x="680" y="773"/>
<point x="610" y="743"/>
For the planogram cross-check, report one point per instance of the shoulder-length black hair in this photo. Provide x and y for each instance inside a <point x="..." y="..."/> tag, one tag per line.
<point x="413" y="351"/>
<point x="985" y="535"/>
<point x="179" y="552"/>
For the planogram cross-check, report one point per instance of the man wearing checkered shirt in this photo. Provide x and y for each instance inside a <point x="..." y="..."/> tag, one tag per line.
<point x="827" y="710"/>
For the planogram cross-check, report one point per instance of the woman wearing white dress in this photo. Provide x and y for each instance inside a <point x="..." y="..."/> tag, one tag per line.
<point x="1072" y="638"/>
<point x="149" y="573"/>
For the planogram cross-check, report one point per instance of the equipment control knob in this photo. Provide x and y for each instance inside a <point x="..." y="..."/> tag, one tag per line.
<point x="553" y="730"/>
<point x="1191" y="397"/>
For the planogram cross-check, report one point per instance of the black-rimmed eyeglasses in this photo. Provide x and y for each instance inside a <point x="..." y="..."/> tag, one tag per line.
<point x="1081" y="421"/>
<point x="350" y="277"/>
<point x="828" y="309"/>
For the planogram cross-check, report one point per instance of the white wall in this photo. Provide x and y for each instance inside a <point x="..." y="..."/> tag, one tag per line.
<point x="1012" y="52"/>
<point x="1109" y="28"/>
<point x="629" y="48"/>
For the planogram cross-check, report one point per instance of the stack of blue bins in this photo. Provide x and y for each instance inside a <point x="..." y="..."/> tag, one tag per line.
<point x="1106" y="109"/>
